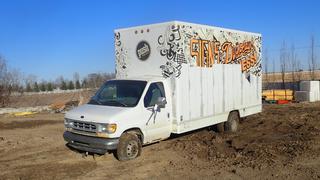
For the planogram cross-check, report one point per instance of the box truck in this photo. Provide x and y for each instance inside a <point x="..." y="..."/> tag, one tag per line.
<point x="171" y="78"/>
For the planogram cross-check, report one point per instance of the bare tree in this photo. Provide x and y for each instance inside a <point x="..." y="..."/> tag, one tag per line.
<point x="60" y="82"/>
<point x="76" y="77"/>
<point x="15" y="79"/>
<point x="95" y="80"/>
<point x="273" y="72"/>
<point x="4" y="85"/>
<point x="298" y="70"/>
<point x="283" y="63"/>
<point x="293" y="63"/>
<point x="312" y="58"/>
<point x="29" y="81"/>
<point x="266" y="64"/>
<point x="9" y="82"/>
<point x="76" y="80"/>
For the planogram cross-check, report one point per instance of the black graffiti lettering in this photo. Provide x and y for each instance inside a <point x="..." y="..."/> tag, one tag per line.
<point x="171" y="48"/>
<point x="160" y="40"/>
<point x="117" y="39"/>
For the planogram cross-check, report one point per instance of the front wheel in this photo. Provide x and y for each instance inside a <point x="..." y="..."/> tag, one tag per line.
<point x="129" y="147"/>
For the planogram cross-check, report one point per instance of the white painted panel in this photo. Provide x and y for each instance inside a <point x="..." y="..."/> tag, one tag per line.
<point x="246" y="90"/>
<point x="218" y="95"/>
<point x="183" y="95"/>
<point x="253" y="90"/>
<point x="214" y="89"/>
<point x="127" y="62"/>
<point x="228" y="88"/>
<point x="237" y="77"/>
<point x="186" y="106"/>
<point x="177" y="98"/>
<point x="259" y="91"/>
<point x="195" y="91"/>
<point x="210" y="91"/>
<point x="205" y="92"/>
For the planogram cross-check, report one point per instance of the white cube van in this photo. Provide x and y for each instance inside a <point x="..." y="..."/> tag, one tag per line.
<point x="171" y="78"/>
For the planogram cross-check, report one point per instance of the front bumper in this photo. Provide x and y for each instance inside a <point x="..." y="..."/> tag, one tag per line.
<point x="90" y="144"/>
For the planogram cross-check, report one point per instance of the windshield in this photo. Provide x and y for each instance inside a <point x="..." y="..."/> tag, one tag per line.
<point x="122" y="93"/>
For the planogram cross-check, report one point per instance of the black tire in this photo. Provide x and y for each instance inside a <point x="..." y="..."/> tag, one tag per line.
<point x="233" y="122"/>
<point x="129" y="147"/>
<point x="220" y="127"/>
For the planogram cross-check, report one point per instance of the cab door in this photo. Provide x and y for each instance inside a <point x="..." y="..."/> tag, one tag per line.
<point x="158" y="122"/>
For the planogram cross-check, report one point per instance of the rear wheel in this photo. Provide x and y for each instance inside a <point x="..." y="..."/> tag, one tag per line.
<point x="233" y="122"/>
<point x="220" y="127"/>
<point x="129" y="147"/>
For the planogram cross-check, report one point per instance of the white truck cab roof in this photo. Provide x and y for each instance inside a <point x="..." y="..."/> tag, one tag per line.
<point x="148" y="78"/>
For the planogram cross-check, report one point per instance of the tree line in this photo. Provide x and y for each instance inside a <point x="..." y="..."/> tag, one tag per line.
<point x="12" y="80"/>
<point x="93" y="80"/>
<point x="290" y="63"/>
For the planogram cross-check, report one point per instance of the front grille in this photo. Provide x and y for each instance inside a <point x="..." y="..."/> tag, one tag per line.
<point x="86" y="133"/>
<point x="84" y="126"/>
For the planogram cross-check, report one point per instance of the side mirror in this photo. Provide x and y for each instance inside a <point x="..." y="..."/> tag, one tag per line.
<point x="161" y="102"/>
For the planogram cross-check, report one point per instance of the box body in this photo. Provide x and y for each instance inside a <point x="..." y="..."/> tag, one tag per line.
<point x="212" y="70"/>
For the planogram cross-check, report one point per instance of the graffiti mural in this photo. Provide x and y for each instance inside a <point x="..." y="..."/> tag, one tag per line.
<point x="171" y="46"/>
<point x="204" y="47"/>
<point x="121" y="54"/>
<point x="207" y="53"/>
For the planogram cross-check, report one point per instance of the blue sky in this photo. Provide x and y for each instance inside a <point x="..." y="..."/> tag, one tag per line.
<point x="49" y="38"/>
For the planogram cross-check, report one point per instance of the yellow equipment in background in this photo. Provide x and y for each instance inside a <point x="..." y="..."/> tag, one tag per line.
<point x="23" y="113"/>
<point x="278" y="94"/>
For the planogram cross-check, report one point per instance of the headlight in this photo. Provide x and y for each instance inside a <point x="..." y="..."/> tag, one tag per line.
<point x="107" y="128"/>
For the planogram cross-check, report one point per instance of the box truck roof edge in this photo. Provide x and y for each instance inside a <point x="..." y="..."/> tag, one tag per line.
<point x="175" y="22"/>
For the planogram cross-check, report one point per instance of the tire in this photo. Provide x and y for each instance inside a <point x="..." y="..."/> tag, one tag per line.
<point x="220" y="127"/>
<point x="129" y="147"/>
<point x="232" y="123"/>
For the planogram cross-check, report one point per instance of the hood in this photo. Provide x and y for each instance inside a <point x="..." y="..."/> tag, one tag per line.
<point x="96" y="113"/>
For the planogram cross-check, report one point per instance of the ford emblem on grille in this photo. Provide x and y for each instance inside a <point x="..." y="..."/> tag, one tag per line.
<point x="81" y="117"/>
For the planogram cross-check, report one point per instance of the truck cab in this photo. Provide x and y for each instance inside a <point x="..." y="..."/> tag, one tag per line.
<point x="139" y="107"/>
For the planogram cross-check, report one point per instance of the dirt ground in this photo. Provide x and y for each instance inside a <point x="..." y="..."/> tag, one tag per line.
<point x="282" y="142"/>
<point x="24" y="100"/>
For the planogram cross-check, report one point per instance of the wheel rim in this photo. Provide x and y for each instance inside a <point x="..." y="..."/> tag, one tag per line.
<point x="234" y="124"/>
<point x="132" y="149"/>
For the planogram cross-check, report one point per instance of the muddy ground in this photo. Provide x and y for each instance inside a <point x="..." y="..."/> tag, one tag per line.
<point x="283" y="142"/>
<point x="25" y="100"/>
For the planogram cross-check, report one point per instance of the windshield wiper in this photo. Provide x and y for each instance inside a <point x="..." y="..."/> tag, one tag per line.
<point x="118" y="102"/>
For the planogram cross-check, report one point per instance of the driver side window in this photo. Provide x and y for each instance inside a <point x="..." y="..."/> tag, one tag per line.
<point x="155" y="91"/>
